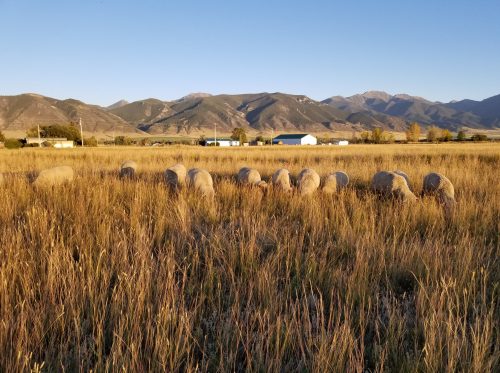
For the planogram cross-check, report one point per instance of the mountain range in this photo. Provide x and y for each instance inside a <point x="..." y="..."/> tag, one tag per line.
<point x="199" y="112"/>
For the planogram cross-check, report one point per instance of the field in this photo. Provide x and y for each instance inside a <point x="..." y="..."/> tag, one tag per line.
<point x="105" y="274"/>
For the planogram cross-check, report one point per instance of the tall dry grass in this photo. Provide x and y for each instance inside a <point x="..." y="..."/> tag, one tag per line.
<point x="106" y="274"/>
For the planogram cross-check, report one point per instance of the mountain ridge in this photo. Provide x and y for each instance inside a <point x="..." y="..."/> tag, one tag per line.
<point x="257" y="112"/>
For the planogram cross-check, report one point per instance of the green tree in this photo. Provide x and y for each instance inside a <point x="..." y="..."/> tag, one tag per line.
<point x="239" y="134"/>
<point x="260" y="138"/>
<point x="69" y="132"/>
<point x="479" y="137"/>
<point x="433" y="134"/>
<point x="378" y="135"/>
<point x="91" y="141"/>
<point x="461" y="135"/>
<point x="413" y="132"/>
<point x="123" y="140"/>
<point x="445" y="135"/>
<point x="2" y="137"/>
<point x="12" y="144"/>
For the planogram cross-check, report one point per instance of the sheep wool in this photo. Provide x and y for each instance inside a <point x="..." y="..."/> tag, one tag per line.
<point x="335" y="182"/>
<point x="175" y="177"/>
<point x="250" y="176"/>
<point x="281" y="180"/>
<point x="402" y="173"/>
<point x="54" y="176"/>
<point x="308" y="181"/>
<point x="440" y="186"/>
<point x="200" y="181"/>
<point x="389" y="184"/>
<point x="128" y="169"/>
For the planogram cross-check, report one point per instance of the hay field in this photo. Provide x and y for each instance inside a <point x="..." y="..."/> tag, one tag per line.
<point x="115" y="275"/>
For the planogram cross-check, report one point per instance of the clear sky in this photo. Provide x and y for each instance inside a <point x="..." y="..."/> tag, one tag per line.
<point x="101" y="51"/>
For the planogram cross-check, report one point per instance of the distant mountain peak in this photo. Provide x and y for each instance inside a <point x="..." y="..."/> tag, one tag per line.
<point x="196" y="95"/>
<point x="117" y="104"/>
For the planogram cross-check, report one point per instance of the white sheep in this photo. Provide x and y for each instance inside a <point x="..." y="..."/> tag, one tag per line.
<point x="440" y="186"/>
<point x="250" y="176"/>
<point x="128" y="170"/>
<point x="175" y="177"/>
<point x="402" y="173"/>
<point x="281" y="180"/>
<point x="201" y="181"/>
<point x="335" y="182"/>
<point x="54" y="176"/>
<point x="308" y="181"/>
<point x="388" y="184"/>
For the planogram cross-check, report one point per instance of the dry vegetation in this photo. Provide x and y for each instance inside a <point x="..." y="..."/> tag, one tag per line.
<point x="106" y="274"/>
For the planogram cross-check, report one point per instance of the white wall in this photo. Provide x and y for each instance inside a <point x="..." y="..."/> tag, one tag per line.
<point x="309" y="140"/>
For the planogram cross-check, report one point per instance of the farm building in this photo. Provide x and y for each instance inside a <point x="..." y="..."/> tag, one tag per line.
<point x="56" y="142"/>
<point x="296" y="139"/>
<point x="222" y="142"/>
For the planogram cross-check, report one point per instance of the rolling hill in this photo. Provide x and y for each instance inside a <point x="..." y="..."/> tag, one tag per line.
<point x="22" y="112"/>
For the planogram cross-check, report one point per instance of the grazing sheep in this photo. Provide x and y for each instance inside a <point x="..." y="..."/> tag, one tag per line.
<point x="281" y="180"/>
<point x="440" y="186"/>
<point x="128" y="170"/>
<point x="335" y="181"/>
<point x="389" y="183"/>
<point x="250" y="176"/>
<point x="402" y="173"/>
<point x="308" y="181"/>
<point x="175" y="177"/>
<point x="201" y="181"/>
<point x="54" y="176"/>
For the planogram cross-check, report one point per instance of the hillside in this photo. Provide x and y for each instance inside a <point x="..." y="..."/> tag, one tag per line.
<point x="468" y="113"/>
<point x="258" y="112"/>
<point x="22" y="112"/>
<point x="199" y="113"/>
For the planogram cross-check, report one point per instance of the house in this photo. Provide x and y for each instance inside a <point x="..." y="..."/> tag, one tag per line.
<point x="222" y="142"/>
<point x="56" y="142"/>
<point x="296" y="139"/>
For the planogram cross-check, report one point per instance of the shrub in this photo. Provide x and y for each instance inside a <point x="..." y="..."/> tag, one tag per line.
<point x="445" y="136"/>
<point x="461" y="136"/>
<point x="123" y="140"/>
<point x="12" y="144"/>
<point x="479" y="137"/>
<point x="2" y="137"/>
<point x="433" y="134"/>
<point x="90" y="142"/>
<point x="413" y="132"/>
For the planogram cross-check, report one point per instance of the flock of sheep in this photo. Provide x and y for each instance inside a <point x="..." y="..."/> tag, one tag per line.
<point x="392" y="184"/>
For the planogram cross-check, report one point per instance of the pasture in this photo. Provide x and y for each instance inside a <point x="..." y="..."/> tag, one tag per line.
<point x="110" y="274"/>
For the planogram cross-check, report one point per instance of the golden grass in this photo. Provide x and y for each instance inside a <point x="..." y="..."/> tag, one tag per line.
<point x="106" y="274"/>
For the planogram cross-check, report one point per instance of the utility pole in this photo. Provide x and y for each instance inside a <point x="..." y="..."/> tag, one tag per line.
<point x="39" y="138"/>
<point x="81" y="130"/>
<point x="272" y="136"/>
<point x="215" y="134"/>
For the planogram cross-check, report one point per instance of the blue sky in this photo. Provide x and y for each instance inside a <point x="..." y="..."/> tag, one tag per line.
<point x="101" y="51"/>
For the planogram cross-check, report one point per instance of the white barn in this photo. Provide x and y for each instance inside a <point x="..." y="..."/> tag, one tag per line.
<point x="296" y="139"/>
<point x="222" y="142"/>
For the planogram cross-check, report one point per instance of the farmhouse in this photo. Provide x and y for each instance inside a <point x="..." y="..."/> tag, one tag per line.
<point x="295" y="139"/>
<point x="222" y="142"/>
<point x="56" y="142"/>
